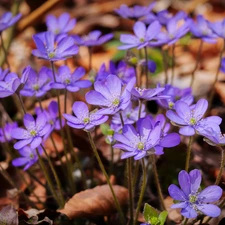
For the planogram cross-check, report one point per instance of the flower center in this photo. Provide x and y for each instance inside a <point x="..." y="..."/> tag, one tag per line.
<point x="142" y="39"/>
<point x="36" y="87"/>
<point x="140" y="146"/>
<point x="33" y="133"/>
<point x="51" y="55"/>
<point x="51" y="122"/>
<point x="67" y="81"/>
<point x="116" y="102"/>
<point x="86" y="120"/>
<point x="31" y="156"/>
<point x="57" y="31"/>
<point x="193" y="198"/>
<point x="192" y="121"/>
<point x="171" y="104"/>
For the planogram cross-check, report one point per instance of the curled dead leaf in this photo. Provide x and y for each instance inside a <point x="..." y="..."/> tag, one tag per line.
<point x="94" y="202"/>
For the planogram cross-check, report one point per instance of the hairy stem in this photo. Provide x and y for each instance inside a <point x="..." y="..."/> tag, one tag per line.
<point x="221" y="166"/>
<point x="146" y="66"/>
<point x="188" y="153"/>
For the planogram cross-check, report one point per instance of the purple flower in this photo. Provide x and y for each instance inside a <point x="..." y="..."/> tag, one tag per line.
<point x="222" y="68"/>
<point x="37" y="84"/>
<point x="148" y="94"/>
<point x="201" y="29"/>
<point x="92" y="39"/>
<point x="28" y="157"/>
<point x="60" y="25"/>
<point x="3" y="73"/>
<point x="124" y="72"/>
<point x="151" y="65"/>
<point x="190" y="118"/>
<point x="9" y="85"/>
<point x="70" y="81"/>
<point x="218" y="28"/>
<point x="174" y="32"/>
<point x="142" y="37"/>
<point x="6" y="131"/>
<point x="34" y="132"/>
<point x="130" y="115"/>
<point x="136" y="12"/>
<point x="191" y="200"/>
<point x="51" y="115"/>
<point x="175" y="94"/>
<point x="84" y="119"/>
<point x="138" y="143"/>
<point x="110" y="94"/>
<point x="7" y="20"/>
<point x="50" y="50"/>
<point x="102" y="73"/>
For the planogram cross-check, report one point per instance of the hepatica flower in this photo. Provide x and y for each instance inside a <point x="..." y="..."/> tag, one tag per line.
<point x="84" y="119"/>
<point x="94" y="38"/>
<point x="5" y="132"/>
<point x="70" y="81"/>
<point x="37" y="84"/>
<point x="110" y="94"/>
<point x="218" y="28"/>
<point x="142" y="38"/>
<point x="62" y="24"/>
<point x="190" y="118"/>
<point x="33" y="132"/>
<point x="7" y="20"/>
<point x="3" y="73"/>
<point x="28" y="157"/>
<point x="138" y="143"/>
<point x="9" y="85"/>
<point x="192" y="200"/>
<point x="51" y="50"/>
<point x="201" y="29"/>
<point x="222" y="67"/>
<point x="135" y="12"/>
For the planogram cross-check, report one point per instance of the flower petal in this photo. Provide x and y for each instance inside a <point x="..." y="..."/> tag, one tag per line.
<point x="211" y="194"/>
<point x="187" y="131"/>
<point x="176" y="193"/>
<point x="189" y="212"/>
<point x="184" y="182"/>
<point x="195" y="179"/>
<point x="209" y="209"/>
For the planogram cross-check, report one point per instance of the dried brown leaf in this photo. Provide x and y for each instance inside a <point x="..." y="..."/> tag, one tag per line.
<point x="94" y="202"/>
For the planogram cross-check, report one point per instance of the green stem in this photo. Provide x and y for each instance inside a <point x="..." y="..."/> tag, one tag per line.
<point x="188" y="153"/>
<point x="197" y="62"/>
<point x="221" y="166"/>
<point x="41" y="163"/>
<point x="136" y="169"/>
<point x="158" y="186"/>
<point x="106" y="176"/>
<point x="186" y="220"/>
<point x="216" y="77"/>
<point x="144" y="181"/>
<point x="173" y="63"/>
<point x="55" y="176"/>
<point x="112" y="159"/>
<point x="140" y="108"/>
<point x="121" y="118"/>
<point x="90" y="57"/>
<point x="146" y="66"/>
<point x="165" y="65"/>
<point x="39" y="101"/>
<point x="130" y="188"/>
<point x="21" y="102"/>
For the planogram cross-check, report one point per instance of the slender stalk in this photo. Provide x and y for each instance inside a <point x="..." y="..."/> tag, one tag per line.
<point x="90" y="57"/>
<point x="40" y="104"/>
<point x="144" y="181"/>
<point x="21" y="102"/>
<point x="65" y="101"/>
<point x="165" y="64"/>
<point x="55" y="176"/>
<point x="221" y="166"/>
<point x="121" y="118"/>
<point x="217" y="75"/>
<point x="35" y="178"/>
<point x="197" y="62"/>
<point x="130" y="188"/>
<point x="173" y="62"/>
<point x="186" y="220"/>
<point x="112" y="159"/>
<point x="136" y="169"/>
<point x="140" y="107"/>
<point x="146" y="66"/>
<point x="122" y="219"/>
<point x="188" y="153"/>
<point x="4" y="50"/>
<point x="41" y="163"/>
<point x="138" y="83"/>
<point x="158" y="186"/>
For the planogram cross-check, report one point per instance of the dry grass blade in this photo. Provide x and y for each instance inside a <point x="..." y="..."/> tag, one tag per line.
<point x="94" y="202"/>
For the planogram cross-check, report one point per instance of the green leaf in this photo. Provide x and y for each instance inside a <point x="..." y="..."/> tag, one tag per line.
<point x="104" y="128"/>
<point x="149" y="212"/>
<point x="162" y="217"/>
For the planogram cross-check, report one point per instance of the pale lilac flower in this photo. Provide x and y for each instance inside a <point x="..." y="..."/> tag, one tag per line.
<point x="62" y="24"/>
<point x="192" y="200"/>
<point x="52" y="50"/>
<point x="70" y="81"/>
<point x="3" y="73"/>
<point x="190" y="118"/>
<point x="110" y="94"/>
<point x="6" y="131"/>
<point x="8" y="19"/>
<point x="84" y="119"/>
<point x="28" y="157"/>
<point x="33" y="132"/>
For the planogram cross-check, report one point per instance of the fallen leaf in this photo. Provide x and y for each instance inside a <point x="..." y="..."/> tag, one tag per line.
<point x="9" y="216"/>
<point x="94" y="202"/>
